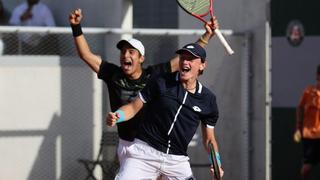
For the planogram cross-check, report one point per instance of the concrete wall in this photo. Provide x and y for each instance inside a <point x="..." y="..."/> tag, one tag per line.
<point x="47" y="103"/>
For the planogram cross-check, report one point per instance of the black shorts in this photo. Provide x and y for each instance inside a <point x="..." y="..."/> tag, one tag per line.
<point x="311" y="151"/>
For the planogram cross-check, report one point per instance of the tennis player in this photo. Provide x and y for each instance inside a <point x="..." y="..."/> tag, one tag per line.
<point x="308" y="126"/>
<point x="126" y="81"/>
<point x="176" y="104"/>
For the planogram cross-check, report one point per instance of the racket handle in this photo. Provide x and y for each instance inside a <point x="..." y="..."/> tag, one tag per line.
<point x="224" y="42"/>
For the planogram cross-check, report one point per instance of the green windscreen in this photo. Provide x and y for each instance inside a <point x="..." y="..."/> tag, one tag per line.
<point x="285" y="11"/>
<point x="195" y="6"/>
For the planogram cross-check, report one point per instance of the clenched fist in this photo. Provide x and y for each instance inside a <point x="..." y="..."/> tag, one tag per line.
<point x="112" y="118"/>
<point x="75" y="17"/>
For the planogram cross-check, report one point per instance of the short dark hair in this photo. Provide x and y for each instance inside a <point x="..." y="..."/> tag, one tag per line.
<point x="318" y="69"/>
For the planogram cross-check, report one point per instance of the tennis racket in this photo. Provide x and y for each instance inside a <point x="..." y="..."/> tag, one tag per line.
<point x="200" y="9"/>
<point x="214" y="162"/>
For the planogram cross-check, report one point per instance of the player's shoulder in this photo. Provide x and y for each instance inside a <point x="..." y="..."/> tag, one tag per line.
<point x="107" y="64"/>
<point x="206" y="90"/>
<point x="107" y="70"/>
<point x="206" y="94"/>
<point x="164" y="76"/>
<point x="163" y="81"/>
<point x="161" y="68"/>
<point x="310" y="88"/>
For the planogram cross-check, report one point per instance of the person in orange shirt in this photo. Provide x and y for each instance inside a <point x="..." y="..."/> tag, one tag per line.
<point x="308" y="126"/>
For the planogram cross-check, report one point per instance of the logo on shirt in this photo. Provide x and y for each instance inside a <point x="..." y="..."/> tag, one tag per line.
<point x="196" y="108"/>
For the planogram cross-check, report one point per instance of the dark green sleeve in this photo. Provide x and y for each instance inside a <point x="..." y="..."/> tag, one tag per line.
<point x="107" y="70"/>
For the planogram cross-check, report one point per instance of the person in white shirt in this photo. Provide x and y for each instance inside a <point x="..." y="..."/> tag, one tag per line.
<point x="32" y="13"/>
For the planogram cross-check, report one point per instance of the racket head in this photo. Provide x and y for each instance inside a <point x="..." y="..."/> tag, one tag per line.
<point x="196" y="7"/>
<point x="214" y="162"/>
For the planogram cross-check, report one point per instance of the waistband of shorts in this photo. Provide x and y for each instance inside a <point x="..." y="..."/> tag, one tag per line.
<point x="124" y="142"/>
<point x="143" y="145"/>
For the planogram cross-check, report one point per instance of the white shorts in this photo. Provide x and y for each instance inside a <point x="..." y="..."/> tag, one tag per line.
<point x="143" y="162"/>
<point x="122" y="150"/>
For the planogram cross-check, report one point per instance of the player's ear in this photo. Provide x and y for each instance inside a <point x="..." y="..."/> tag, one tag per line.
<point x="141" y="59"/>
<point x="203" y="66"/>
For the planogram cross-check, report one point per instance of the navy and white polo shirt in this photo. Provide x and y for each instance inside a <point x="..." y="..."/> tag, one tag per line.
<point x="173" y="114"/>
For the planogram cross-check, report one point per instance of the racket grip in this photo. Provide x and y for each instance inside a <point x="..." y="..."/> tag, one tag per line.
<point x="224" y="42"/>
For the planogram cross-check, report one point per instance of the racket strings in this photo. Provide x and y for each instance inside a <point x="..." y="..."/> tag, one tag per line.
<point x="196" y="6"/>
<point x="202" y="7"/>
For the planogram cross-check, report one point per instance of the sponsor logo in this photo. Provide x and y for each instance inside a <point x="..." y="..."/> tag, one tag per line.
<point x="196" y="108"/>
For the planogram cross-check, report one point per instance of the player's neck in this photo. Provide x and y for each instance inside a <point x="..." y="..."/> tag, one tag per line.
<point x="190" y="86"/>
<point x="136" y="74"/>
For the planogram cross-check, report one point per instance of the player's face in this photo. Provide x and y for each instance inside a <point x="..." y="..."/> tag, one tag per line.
<point x="295" y="33"/>
<point x="190" y="66"/>
<point x="131" y="61"/>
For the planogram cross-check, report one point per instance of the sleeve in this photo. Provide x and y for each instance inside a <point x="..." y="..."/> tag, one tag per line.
<point x="150" y="90"/>
<point x="161" y="68"/>
<point x="107" y="70"/>
<point x="304" y="96"/>
<point x="211" y="118"/>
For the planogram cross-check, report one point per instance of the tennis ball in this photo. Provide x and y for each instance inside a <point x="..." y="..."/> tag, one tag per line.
<point x="297" y="136"/>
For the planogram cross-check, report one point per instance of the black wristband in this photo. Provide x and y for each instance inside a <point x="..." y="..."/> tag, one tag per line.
<point x="76" y="30"/>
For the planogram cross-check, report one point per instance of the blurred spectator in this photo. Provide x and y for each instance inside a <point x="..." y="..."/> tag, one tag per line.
<point x="295" y="33"/>
<point x="33" y="13"/>
<point x="308" y="126"/>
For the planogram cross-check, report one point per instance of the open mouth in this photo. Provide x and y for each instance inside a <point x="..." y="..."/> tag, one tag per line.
<point x="127" y="63"/>
<point x="186" y="69"/>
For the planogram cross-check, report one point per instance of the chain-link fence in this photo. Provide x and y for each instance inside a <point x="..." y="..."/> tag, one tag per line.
<point x="226" y="75"/>
<point x="43" y="41"/>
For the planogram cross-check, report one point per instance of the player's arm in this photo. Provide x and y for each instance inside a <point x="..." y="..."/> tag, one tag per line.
<point x="82" y="46"/>
<point x="202" y="41"/>
<point x="210" y="26"/>
<point x="300" y="110"/>
<point x="125" y="112"/>
<point x="209" y="137"/>
<point x="299" y="117"/>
